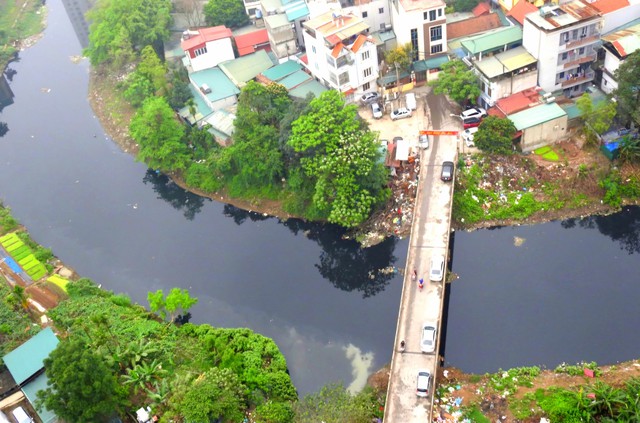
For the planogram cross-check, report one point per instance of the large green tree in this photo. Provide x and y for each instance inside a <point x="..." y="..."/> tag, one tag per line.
<point x="119" y="27"/>
<point x="81" y="387"/>
<point x="628" y="92"/>
<point x="334" y="404"/>
<point x="599" y="117"/>
<point x="160" y="136"/>
<point x="495" y="135"/>
<point x="457" y="81"/>
<point x="340" y="159"/>
<point x="399" y="57"/>
<point x="177" y="300"/>
<point x="230" y="13"/>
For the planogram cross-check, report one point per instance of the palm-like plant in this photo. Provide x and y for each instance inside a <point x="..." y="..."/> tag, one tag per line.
<point x="608" y="401"/>
<point x="629" y="149"/>
<point x="143" y="375"/>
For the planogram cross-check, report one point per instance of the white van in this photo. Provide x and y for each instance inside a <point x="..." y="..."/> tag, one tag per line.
<point x="410" y="99"/>
<point x="21" y="416"/>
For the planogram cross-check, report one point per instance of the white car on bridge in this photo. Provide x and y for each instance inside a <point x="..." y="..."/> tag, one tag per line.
<point x="428" y="339"/>
<point x="436" y="270"/>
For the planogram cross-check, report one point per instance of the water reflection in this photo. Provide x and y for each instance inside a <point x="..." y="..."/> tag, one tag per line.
<point x="239" y="216"/>
<point x="76" y="10"/>
<point x="624" y="229"/>
<point x="188" y="203"/>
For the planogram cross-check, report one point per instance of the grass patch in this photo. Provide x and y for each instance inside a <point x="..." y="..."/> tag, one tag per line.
<point x="547" y="153"/>
<point x="58" y="281"/>
<point x="474" y="414"/>
<point x="19" y="19"/>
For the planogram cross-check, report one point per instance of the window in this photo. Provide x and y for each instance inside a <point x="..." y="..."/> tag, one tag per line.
<point x="414" y="41"/>
<point x="366" y="86"/>
<point x="367" y="72"/>
<point x="564" y="56"/>
<point x="381" y="10"/>
<point x="561" y="75"/>
<point x="436" y="33"/>
<point x="439" y="12"/>
<point x="432" y="15"/>
<point x="200" y="51"/>
<point x="313" y="48"/>
<point x="436" y="49"/>
<point x="330" y="61"/>
<point x="584" y="32"/>
<point x="365" y="55"/>
<point x="364" y="14"/>
<point x="342" y="60"/>
<point x="333" y="78"/>
<point x="581" y="50"/>
<point x="565" y="37"/>
<point x="343" y="78"/>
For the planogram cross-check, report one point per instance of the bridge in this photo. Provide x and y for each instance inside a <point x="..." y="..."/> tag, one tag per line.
<point x="429" y="237"/>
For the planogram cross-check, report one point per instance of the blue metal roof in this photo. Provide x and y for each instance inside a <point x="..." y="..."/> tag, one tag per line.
<point x="28" y="358"/>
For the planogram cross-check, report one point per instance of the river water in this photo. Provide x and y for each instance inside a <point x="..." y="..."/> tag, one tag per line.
<point x="566" y="294"/>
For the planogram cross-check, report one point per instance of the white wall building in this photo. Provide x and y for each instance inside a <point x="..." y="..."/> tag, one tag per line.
<point x="421" y="23"/>
<point x="563" y="39"/>
<point x="617" y="13"/>
<point x="206" y="47"/>
<point x="341" y="54"/>
<point x="617" y="46"/>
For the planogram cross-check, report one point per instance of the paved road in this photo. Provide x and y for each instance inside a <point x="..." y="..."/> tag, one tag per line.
<point x="429" y="237"/>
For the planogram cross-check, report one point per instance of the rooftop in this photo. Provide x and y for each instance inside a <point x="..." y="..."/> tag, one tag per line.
<point x="246" y="43"/>
<point x="521" y="9"/>
<point x="536" y="115"/>
<point x="219" y="83"/>
<point x="292" y="10"/>
<point x="516" y="103"/>
<point x="473" y="25"/>
<point x="421" y="5"/>
<point x="311" y="86"/>
<point x="28" y="358"/>
<point x="282" y="70"/>
<point x="608" y="6"/>
<point x="504" y="62"/>
<point x="204" y="35"/>
<point x="624" y="41"/>
<point x="481" y="9"/>
<point x="493" y="40"/>
<point x="551" y="18"/>
<point x="246" y="68"/>
<point x="337" y="27"/>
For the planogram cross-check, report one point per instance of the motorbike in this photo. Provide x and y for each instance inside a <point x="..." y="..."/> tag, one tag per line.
<point x="402" y="346"/>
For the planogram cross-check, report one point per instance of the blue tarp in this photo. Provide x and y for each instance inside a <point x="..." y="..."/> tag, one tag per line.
<point x="13" y="265"/>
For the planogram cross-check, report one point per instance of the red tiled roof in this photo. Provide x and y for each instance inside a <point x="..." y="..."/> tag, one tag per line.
<point x="305" y="59"/>
<point x="246" y="43"/>
<point x="336" y="50"/>
<point x="522" y="8"/>
<point x="205" y="35"/>
<point x="473" y="25"/>
<point x="359" y="42"/>
<point x="481" y="9"/>
<point x="515" y="103"/>
<point x="608" y="6"/>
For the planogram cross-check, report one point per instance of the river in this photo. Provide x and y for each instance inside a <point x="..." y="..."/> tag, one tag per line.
<point x="328" y="304"/>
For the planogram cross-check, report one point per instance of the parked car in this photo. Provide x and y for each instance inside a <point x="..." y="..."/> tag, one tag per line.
<point x="471" y="122"/>
<point x="423" y="382"/>
<point x="376" y="110"/>
<point x="410" y="99"/>
<point x="400" y="113"/>
<point x="428" y="340"/>
<point x="436" y="270"/>
<point x="368" y="98"/>
<point x="423" y="141"/>
<point x="473" y="112"/>
<point x="468" y="135"/>
<point x="21" y="416"/>
<point x="447" y="171"/>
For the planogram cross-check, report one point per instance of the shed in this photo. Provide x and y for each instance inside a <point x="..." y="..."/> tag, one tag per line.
<point x="493" y="41"/>
<point x="402" y="150"/>
<point x="245" y="68"/>
<point x="540" y="125"/>
<point x="220" y="91"/>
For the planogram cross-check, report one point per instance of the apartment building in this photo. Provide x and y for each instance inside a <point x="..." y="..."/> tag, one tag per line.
<point x="341" y="54"/>
<point x="283" y="21"/>
<point x="423" y="24"/>
<point x="617" y="46"/>
<point x="564" y="40"/>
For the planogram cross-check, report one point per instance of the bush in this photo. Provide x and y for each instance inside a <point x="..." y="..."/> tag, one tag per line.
<point x="274" y="412"/>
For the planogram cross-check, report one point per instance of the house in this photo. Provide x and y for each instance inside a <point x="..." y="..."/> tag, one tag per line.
<point x="291" y="75"/>
<point x="473" y="25"/>
<point x="616" y="13"/>
<point x="517" y="102"/>
<point x="491" y="43"/>
<point x="421" y="23"/>
<point x="540" y="125"/>
<point x="206" y="47"/>
<point x="245" y="68"/>
<point x="617" y="46"/>
<point x="520" y="10"/>
<point x="26" y="366"/>
<point x="283" y="21"/>
<point x="252" y="41"/>
<point x="504" y="74"/>
<point x="481" y="9"/>
<point x="564" y="40"/>
<point x="340" y="53"/>
<point x="215" y="88"/>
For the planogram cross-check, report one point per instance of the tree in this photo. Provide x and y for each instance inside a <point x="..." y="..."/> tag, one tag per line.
<point x="160" y="136"/>
<point x="629" y="149"/>
<point x="464" y="5"/>
<point x="628" y="92"/>
<point x="153" y="69"/>
<point x="399" y="58"/>
<point x="230" y="13"/>
<point x="334" y="404"/>
<point x="119" y="27"/>
<point x="597" y="118"/>
<point x="81" y="387"/>
<point x="457" y="81"/>
<point x="191" y="10"/>
<point x="340" y="160"/>
<point x="19" y="298"/>
<point x="176" y="300"/>
<point x="495" y="135"/>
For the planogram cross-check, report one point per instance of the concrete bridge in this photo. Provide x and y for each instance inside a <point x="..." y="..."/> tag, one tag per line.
<point x="429" y="237"/>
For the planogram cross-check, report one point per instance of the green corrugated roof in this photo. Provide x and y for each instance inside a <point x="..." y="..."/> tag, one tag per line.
<point x="391" y="78"/>
<point x="312" y="86"/>
<point x="28" y="358"/>
<point x="434" y="63"/>
<point x="295" y="79"/>
<point x="278" y="72"/>
<point x="492" y="41"/>
<point x="31" y="392"/>
<point x="221" y="86"/>
<point x="247" y="67"/>
<point x="536" y="115"/>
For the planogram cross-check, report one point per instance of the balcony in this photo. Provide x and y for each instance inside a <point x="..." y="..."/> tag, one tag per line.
<point x="578" y="80"/>
<point x="573" y="43"/>
<point x="577" y="62"/>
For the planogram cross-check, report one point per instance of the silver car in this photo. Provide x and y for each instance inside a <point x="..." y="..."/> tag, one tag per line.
<point x="400" y="113"/>
<point x="423" y="141"/>
<point x="376" y="111"/>
<point x="436" y="270"/>
<point x="422" y="385"/>
<point x="368" y="98"/>
<point x="428" y="340"/>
